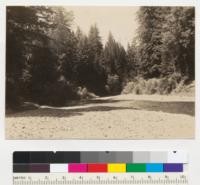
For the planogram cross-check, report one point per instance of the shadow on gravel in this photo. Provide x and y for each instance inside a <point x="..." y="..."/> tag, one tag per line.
<point x="94" y="101"/>
<point x="168" y="107"/>
<point x="187" y="108"/>
<point x="59" y="112"/>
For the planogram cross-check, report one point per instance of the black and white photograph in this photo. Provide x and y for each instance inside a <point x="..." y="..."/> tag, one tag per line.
<point x="100" y="72"/>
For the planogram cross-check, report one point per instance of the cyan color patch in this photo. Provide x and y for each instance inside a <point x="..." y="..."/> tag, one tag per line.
<point x="154" y="167"/>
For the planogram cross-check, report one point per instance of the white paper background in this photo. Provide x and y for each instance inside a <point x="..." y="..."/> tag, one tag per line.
<point x="7" y="147"/>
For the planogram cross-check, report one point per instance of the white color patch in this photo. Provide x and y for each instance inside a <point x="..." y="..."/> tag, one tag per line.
<point x="177" y="157"/>
<point x="58" y="168"/>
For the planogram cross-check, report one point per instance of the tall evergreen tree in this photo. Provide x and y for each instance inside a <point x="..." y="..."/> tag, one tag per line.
<point x="166" y="41"/>
<point x="150" y="39"/>
<point x="89" y="69"/>
<point x="115" y="57"/>
<point x="115" y="64"/>
<point x="27" y="29"/>
<point x="132" y="60"/>
<point x="94" y="41"/>
<point x="179" y="41"/>
<point x="63" y="42"/>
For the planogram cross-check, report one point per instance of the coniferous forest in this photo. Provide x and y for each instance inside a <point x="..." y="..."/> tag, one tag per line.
<point x="49" y="63"/>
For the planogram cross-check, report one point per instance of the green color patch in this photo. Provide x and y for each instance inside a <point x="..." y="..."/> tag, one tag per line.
<point x="139" y="167"/>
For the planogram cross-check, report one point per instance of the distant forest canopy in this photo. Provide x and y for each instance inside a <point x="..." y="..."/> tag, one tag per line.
<point x="48" y="63"/>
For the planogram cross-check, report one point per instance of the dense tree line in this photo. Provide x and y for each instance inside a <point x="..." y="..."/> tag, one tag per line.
<point x="48" y="63"/>
<point x="165" y="43"/>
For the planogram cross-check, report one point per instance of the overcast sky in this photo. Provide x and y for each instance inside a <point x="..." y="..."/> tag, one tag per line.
<point x="121" y="21"/>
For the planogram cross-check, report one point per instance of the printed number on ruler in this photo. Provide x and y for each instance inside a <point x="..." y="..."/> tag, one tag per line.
<point x="103" y="179"/>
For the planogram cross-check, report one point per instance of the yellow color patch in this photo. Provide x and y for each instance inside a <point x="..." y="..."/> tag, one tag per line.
<point x="116" y="167"/>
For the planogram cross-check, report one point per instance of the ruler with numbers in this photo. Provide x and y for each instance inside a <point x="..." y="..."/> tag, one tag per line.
<point x="100" y="179"/>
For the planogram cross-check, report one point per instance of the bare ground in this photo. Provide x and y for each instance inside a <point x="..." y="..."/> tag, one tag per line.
<point x="116" y="117"/>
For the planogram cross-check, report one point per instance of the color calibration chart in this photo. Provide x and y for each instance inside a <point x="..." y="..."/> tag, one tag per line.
<point x="138" y="167"/>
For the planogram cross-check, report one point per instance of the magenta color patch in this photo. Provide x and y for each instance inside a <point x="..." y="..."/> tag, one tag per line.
<point x="73" y="168"/>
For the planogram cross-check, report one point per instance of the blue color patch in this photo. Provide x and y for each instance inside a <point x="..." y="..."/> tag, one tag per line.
<point x="154" y="167"/>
